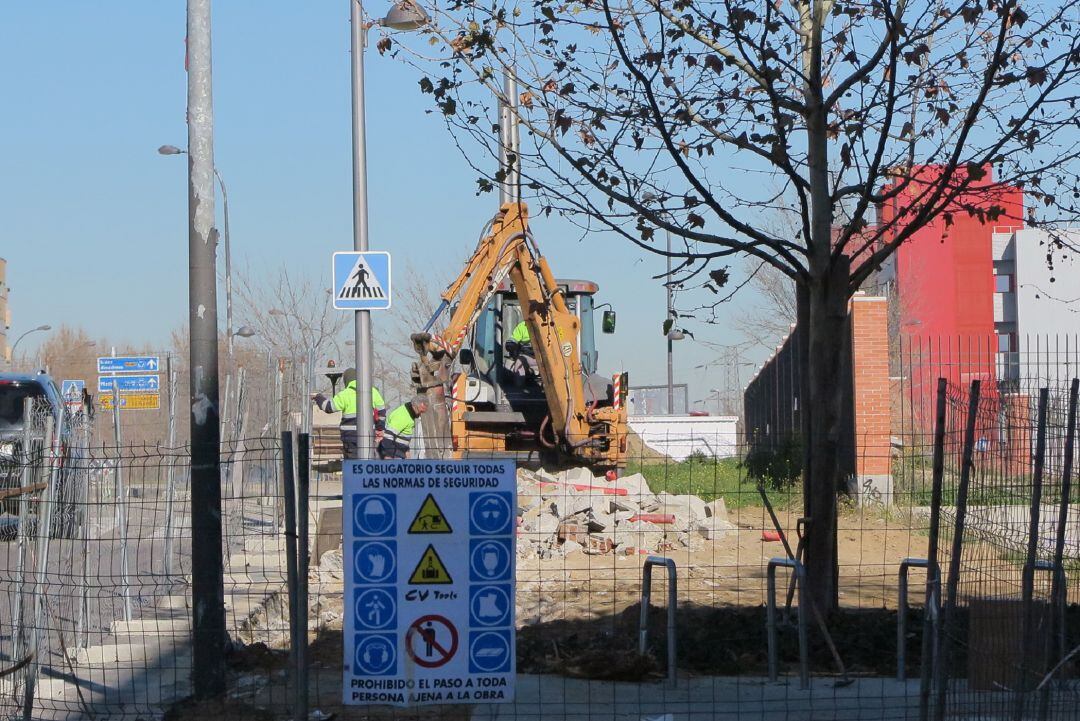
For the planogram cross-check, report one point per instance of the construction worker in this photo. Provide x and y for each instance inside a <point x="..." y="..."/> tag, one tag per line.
<point x="520" y="334"/>
<point x="400" y="425"/>
<point x="520" y="350"/>
<point x="345" y="404"/>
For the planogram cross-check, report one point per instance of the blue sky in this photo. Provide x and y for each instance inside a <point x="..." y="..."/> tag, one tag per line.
<point x="95" y="221"/>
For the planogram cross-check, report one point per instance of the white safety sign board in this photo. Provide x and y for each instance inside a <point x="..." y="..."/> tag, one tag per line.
<point x="71" y="390"/>
<point x="429" y="581"/>
<point x="362" y="280"/>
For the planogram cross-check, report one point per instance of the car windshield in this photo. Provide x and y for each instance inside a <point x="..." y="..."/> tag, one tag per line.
<point x="12" y="395"/>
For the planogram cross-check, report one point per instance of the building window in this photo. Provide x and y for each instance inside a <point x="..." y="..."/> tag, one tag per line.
<point x="1003" y="284"/>
<point x="1006" y="342"/>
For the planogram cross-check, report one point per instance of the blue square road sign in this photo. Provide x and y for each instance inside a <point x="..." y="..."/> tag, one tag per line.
<point x="362" y="280"/>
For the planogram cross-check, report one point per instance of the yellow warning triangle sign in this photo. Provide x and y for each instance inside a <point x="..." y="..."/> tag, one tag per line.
<point x="430" y="570"/>
<point x="430" y="518"/>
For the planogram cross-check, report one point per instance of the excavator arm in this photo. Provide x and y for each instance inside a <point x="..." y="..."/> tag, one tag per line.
<point x="583" y="431"/>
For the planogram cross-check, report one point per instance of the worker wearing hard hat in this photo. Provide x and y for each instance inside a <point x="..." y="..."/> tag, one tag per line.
<point x="400" y="426"/>
<point x="345" y="403"/>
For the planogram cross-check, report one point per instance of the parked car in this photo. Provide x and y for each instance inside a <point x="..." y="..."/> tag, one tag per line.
<point x="15" y="388"/>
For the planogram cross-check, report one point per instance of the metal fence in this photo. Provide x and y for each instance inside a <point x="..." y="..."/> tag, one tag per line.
<point x="95" y="607"/>
<point x="1002" y="544"/>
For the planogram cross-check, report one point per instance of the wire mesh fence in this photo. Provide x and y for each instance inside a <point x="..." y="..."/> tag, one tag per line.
<point x="95" y="611"/>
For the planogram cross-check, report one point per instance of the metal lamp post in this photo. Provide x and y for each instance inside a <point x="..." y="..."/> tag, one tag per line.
<point x="32" y="330"/>
<point x="173" y="150"/>
<point x="403" y="16"/>
<point x="673" y="334"/>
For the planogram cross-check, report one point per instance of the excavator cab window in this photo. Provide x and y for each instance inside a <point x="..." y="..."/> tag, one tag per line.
<point x="484" y="351"/>
<point x="589" y="355"/>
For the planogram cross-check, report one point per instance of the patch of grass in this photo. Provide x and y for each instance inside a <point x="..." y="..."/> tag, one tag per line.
<point x="709" y="479"/>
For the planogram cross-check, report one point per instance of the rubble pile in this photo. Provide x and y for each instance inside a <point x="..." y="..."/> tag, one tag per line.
<point x="572" y="511"/>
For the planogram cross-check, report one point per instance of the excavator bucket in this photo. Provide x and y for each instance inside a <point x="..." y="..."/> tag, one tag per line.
<point x="430" y="377"/>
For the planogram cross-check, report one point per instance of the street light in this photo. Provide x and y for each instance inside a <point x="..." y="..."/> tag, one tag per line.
<point x="673" y="334"/>
<point x="32" y="330"/>
<point x="405" y="15"/>
<point x="245" y="331"/>
<point x="173" y="150"/>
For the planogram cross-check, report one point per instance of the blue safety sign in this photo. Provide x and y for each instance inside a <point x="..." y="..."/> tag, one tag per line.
<point x="490" y="652"/>
<point x="432" y="564"/>
<point x="376" y="654"/>
<point x="128" y="364"/>
<point x="362" y="280"/>
<point x="375" y="562"/>
<point x="489" y="605"/>
<point x="489" y="560"/>
<point x="490" y="514"/>
<point x="130" y="384"/>
<point x="374" y="515"/>
<point x="376" y="608"/>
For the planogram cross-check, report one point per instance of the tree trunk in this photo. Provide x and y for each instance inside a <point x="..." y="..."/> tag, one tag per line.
<point x="828" y="343"/>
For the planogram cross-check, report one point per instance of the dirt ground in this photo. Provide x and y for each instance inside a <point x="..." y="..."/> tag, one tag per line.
<point x="578" y="616"/>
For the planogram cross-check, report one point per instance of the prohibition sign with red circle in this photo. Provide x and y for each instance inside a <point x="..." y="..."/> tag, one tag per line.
<point x="426" y="630"/>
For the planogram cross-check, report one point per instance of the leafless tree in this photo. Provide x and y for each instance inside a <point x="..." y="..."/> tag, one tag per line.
<point x="914" y="107"/>
<point x="292" y="314"/>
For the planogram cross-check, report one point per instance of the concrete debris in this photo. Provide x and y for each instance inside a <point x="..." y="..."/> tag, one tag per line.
<point x="572" y="511"/>
<point x="571" y="547"/>
<point x="716" y="509"/>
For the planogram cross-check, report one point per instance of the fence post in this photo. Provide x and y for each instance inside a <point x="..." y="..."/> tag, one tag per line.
<point x="238" y="437"/>
<point x="929" y="655"/>
<point x="43" y="530"/>
<point x="303" y="467"/>
<point x="18" y="627"/>
<point x="1058" y="588"/>
<point x="278" y="414"/>
<point x="120" y="498"/>
<point x="289" y="495"/>
<point x="170" y="478"/>
<point x="81" y="631"/>
<point x="1027" y="589"/>
<point x="944" y="641"/>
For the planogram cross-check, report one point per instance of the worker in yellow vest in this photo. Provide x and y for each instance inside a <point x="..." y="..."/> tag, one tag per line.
<point x="400" y="426"/>
<point x="345" y="403"/>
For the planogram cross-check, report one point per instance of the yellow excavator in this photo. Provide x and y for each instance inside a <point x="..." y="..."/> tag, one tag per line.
<point x="506" y="390"/>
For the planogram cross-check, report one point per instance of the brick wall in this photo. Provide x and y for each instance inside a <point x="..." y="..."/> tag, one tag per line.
<point x="872" y="398"/>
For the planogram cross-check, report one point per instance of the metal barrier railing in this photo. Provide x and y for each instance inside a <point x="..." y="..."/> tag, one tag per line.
<point x="901" y="613"/>
<point x="770" y="619"/>
<point x="1059" y="603"/>
<point x="672" y="606"/>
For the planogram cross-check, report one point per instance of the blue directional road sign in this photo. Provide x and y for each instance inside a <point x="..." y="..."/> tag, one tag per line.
<point x="489" y="605"/>
<point x="374" y="515"/>
<point x="376" y="608"/>
<point x="375" y="562"/>
<point x="362" y="280"/>
<point x="489" y="560"/>
<point x="489" y="652"/>
<point x="128" y="364"/>
<point x="489" y="513"/>
<point x="376" y="654"/>
<point x="130" y="384"/>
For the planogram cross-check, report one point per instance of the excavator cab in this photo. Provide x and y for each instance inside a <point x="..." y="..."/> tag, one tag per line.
<point x="527" y="390"/>
<point x="496" y="324"/>
<point x="501" y="385"/>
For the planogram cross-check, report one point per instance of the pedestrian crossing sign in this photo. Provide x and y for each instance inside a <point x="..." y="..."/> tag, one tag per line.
<point x="362" y="280"/>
